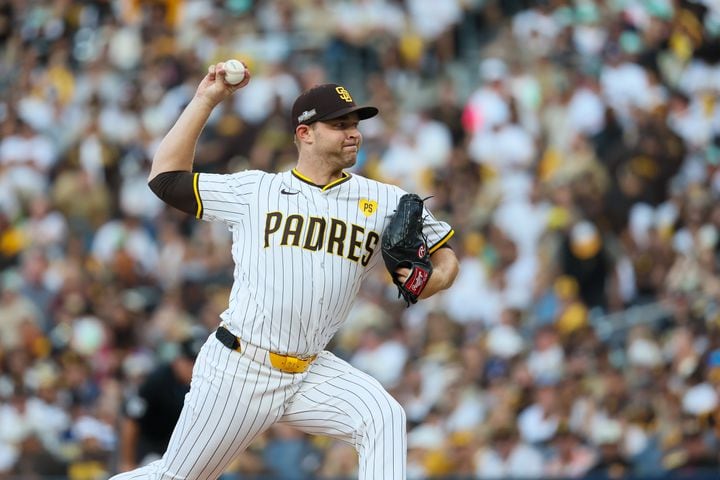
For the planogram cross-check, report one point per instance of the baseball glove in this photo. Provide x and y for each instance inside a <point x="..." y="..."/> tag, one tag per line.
<point x="405" y="246"/>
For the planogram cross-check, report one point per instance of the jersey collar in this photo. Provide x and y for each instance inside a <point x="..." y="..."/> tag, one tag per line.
<point x="344" y="178"/>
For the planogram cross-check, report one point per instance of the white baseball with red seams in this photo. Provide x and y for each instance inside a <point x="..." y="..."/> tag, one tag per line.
<point x="234" y="71"/>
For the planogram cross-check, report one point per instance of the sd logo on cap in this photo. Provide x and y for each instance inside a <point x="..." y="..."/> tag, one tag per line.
<point x="325" y="102"/>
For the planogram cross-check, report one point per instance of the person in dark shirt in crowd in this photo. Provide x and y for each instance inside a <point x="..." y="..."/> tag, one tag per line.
<point x="152" y="412"/>
<point x="584" y="256"/>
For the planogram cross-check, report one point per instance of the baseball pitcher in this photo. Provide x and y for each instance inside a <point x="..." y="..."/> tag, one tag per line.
<point x="303" y="241"/>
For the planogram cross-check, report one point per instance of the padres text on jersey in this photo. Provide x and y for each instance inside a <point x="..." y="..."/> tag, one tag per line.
<point x="311" y="247"/>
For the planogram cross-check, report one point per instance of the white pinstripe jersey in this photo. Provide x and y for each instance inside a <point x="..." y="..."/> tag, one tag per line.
<point x="301" y="250"/>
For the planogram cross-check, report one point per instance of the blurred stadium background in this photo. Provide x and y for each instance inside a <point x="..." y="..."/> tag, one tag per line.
<point x="573" y="144"/>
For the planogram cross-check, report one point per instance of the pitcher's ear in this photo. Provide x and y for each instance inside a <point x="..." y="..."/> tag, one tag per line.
<point x="303" y="132"/>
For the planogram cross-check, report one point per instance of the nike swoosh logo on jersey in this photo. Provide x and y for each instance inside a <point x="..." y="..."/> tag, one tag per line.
<point x="288" y="192"/>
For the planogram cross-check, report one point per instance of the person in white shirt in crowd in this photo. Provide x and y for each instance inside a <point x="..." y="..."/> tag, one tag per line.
<point x="506" y="456"/>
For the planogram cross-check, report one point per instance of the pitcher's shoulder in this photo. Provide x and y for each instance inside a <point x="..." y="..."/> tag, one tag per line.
<point x="377" y="185"/>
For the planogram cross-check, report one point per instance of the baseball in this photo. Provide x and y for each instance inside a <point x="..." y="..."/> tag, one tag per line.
<point x="234" y="71"/>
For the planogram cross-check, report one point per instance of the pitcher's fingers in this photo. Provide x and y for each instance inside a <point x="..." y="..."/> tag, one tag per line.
<point x="246" y="79"/>
<point x="211" y="72"/>
<point x="220" y="71"/>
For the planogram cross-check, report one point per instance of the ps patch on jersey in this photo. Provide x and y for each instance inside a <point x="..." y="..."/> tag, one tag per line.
<point x="368" y="207"/>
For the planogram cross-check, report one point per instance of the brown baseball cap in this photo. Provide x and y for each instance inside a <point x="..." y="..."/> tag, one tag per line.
<point x="325" y="102"/>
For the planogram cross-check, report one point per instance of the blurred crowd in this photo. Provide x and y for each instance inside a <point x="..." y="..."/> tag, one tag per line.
<point x="573" y="144"/>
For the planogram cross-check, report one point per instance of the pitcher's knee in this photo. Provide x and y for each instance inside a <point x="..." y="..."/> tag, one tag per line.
<point x="387" y="422"/>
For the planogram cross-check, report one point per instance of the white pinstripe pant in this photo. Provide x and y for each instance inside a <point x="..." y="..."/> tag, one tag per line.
<point x="233" y="399"/>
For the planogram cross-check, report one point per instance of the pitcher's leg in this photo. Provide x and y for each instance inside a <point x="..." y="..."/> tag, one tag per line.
<point x="232" y="400"/>
<point x="340" y="401"/>
<point x="147" y="472"/>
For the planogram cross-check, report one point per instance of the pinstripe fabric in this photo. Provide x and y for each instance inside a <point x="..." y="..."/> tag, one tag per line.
<point x="339" y="401"/>
<point x="233" y="399"/>
<point x="290" y="299"/>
